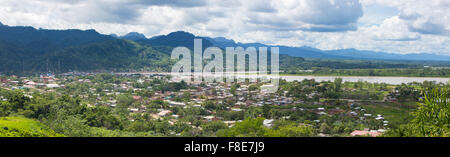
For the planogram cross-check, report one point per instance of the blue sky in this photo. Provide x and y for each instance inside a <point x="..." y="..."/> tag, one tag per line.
<point x="396" y="26"/>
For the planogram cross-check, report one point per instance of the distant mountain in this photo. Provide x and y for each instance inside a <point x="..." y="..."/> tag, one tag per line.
<point x="222" y="42"/>
<point x="26" y="49"/>
<point x="115" y="55"/>
<point x="175" y="39"/>
<point x="361" y="54"/>
<point x="134" y="36"/>
<point x="114" y="35"/>
<point x="309" y="52"/>
<point x="305" y="52"/>
<point x="41" y="40"/>
<point x="30" y="50"/>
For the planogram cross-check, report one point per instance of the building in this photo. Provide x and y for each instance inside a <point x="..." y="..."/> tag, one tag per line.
<point x="174" y="103"/>
<point x="52" y="85"/>
<point x="372" y="133"/>
<point x="268" y="122"/>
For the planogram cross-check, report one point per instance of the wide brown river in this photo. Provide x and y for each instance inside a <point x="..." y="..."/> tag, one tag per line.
<point x="372" y="79"/>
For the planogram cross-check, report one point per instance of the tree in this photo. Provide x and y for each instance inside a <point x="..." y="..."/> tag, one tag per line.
<point x="247" y="128"/>
<point x="5" y="108"/>
<point x="266" y="110"/>
<point x="432" y="117"/>
<point x="18" y="101"/>
<point x="291" y="130"/>
<point x="214" y="126"/>
<point x="337" y="85"/>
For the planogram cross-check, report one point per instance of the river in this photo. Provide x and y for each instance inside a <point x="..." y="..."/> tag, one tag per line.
<point x="372" y="79"/>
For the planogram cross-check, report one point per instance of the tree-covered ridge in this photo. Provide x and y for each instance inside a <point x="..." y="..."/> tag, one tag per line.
<point x="26" y="50"/>
<point x="42" y="40"/>
<point x="113" y="55"/>
<point x="108" y="55"/>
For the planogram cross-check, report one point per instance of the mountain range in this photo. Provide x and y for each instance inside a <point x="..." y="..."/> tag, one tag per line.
<point x="177" y="38"/>
<point x="27" y="49"/>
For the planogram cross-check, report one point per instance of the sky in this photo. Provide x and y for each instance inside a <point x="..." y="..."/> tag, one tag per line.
<point x="395" y="26"/>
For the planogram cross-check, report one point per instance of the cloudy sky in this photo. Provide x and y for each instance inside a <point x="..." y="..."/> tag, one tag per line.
<point x="397" y="26"/>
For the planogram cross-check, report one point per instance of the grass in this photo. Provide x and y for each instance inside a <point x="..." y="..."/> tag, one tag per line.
<point x="24" y="127"/>
<point x="395" y="113"/>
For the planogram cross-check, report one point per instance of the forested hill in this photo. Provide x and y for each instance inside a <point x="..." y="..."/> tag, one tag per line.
<point x="42" y="40"/>
<point x="30" y="50"/>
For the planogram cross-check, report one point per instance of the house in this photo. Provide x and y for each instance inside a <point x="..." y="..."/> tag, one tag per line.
<point x="164" y="113"/>
<point x="236" y="109"/>
<point x="240" y="103"/>
<point x="268" y="122"/>
<point x="52" y="85"/>
<point x="137" y="98"/>
<point x="133" y="109"/>
<point x="31" y="83"/>
<point x="372" y="133"/>
<point x="4" y="79"/>
<point x="379" y="118"/>
<point x="267" y="88"/>
<point x="174" y="103"/>
<point x="229" y="123"/>
<point x="322" y="113"/>
<point x="208" y="118"/>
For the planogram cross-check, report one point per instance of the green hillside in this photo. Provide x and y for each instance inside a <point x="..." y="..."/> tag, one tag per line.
<point x="24" y="127"/>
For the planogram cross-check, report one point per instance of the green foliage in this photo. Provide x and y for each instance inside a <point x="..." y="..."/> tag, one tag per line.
<point x="431" y="119"/>
<point x="253" y="127"/>
<point x="291" y="130"/>
<point x="113" y="54"/>
<point x="246" y="128"/>
<point x="24" y="127"/>
<point x="213" y="127"/>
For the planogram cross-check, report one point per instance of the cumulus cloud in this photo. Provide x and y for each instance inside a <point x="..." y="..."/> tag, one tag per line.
<point x="175" y="3"/>
<point x="308" y="15"/>
<point x="412" y="26"/>
<point x="393" y="29"/>
<point x="422" y="16"/>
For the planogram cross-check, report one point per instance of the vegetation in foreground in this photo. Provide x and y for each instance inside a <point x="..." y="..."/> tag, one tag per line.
<point x="24" y="127"/>
<point x="431" y="119"/>
<point x="106" y="105"/>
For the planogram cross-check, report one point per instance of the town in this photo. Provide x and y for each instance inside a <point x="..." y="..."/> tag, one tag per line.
<point x="108" y="104"/>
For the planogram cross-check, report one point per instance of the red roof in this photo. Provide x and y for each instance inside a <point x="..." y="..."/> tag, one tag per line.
<point x="365" y="133"/>
<point x="136" y="97"/>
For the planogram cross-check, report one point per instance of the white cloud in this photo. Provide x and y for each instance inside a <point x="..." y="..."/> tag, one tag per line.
<point x="393" y="29"/>
<point x="422" y="16"/>
<point x="308" y="15"/>
<point x="410" y="27"/>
